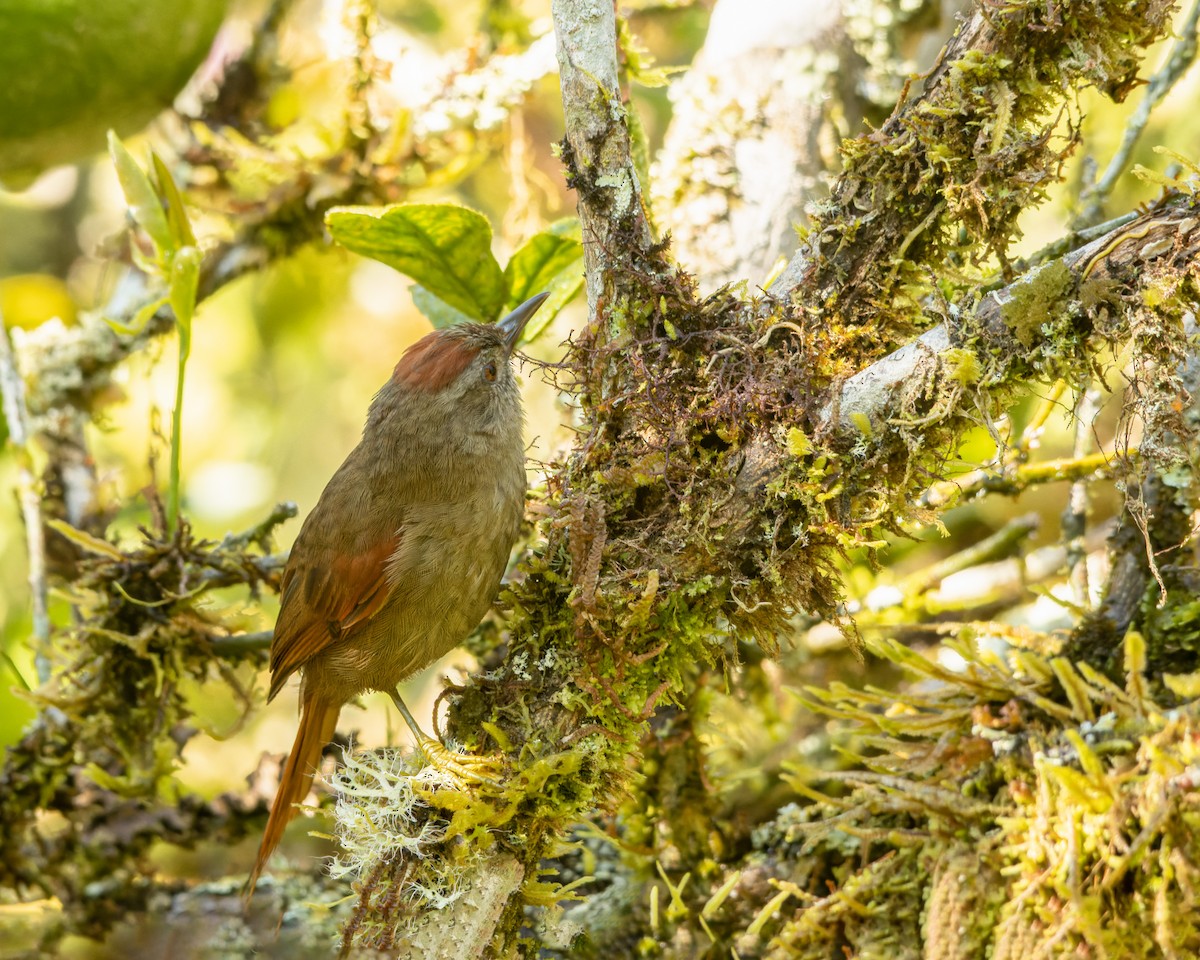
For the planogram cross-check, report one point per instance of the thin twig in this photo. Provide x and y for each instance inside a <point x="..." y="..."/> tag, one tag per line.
<point x="1074" y="521"/>
<point x="241" y="644"/>
<point x="261" y="532"/>
<point x="12" y="387"/>
<point x="1002" y="543"/>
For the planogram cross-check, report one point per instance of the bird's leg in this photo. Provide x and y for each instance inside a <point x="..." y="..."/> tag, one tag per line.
<point x="462" y="766"/>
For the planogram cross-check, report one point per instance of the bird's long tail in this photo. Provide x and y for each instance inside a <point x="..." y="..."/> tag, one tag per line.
<point x="318" y="721"/>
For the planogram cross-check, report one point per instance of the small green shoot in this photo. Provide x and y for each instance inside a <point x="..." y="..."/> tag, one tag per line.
<point x="156" y="206"/>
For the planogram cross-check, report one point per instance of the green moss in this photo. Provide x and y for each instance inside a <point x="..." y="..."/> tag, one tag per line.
<point x="116" y="723"/>
<point x="1061" y="838"/>
<point x="1037" y="299"/>
<point x="947" y="175"/>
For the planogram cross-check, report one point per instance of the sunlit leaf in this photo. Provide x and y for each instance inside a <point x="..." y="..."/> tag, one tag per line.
<point x="552" y="262"/>
<point x="436" y="311"/>
<point x="177" y="218"/>
<point x="185" y="280"/>
<point x="447" y="249"/>
<point x="542" y="259"/>
<point x="144" y="204"/>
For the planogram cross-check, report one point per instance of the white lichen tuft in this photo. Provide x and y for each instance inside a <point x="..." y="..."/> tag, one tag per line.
<point x="382" y="816"/>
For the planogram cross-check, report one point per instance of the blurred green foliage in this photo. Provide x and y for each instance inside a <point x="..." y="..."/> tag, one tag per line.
<point x="72" y="69"/>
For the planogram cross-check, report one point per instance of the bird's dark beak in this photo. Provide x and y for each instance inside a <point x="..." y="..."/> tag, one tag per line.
<point x="514" y="323"/>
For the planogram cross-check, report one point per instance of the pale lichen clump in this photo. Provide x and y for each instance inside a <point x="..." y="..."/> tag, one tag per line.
<point x="383" y="815"/>
<point x="423" y="847"/>
<point x="483" y="98"/>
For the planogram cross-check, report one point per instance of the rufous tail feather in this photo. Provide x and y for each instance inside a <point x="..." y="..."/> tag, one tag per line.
<point x="318" y="721"/>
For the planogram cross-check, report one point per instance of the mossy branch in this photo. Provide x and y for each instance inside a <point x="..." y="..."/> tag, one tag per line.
<point x="597" y="149"/>
<point x="966" y="155"/>
<point x="722" y="471"/>
<point x="706" y="499"/>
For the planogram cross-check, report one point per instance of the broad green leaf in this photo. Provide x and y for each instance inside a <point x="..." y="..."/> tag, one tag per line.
<point x="538" y="263"/>
<point x="144" y="204"/>
<point x="551" y="261"/>
<point x="438" y="312"/>
<point x="177" y="218"/>
<point x="72" y="69"/>
<point x="447" y="249"/>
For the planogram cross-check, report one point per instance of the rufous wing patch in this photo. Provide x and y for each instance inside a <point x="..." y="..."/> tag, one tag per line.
<point x="325" y="597"/>
<point x="434" y="361"/>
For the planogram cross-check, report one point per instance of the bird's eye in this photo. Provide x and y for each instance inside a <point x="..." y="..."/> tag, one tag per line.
<point x="489" y="371"/>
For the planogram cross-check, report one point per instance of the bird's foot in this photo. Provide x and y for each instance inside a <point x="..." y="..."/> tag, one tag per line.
<point x="462" y="767"/>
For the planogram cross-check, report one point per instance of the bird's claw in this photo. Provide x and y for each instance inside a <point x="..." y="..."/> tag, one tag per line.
<point x="462" y="767"/>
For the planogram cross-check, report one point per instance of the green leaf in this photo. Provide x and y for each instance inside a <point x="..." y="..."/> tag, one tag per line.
<point x="638" y="62"/>
<point x="438" y="312"/>
<point x="140" y="319"/>
<point x="144" y="204"/>
<point x="185" y="280"/>
<point x="177" y="218"/>
<point x="551" y="261"/>
<point x="447" y="249"/>
<point x="538" y="263"/>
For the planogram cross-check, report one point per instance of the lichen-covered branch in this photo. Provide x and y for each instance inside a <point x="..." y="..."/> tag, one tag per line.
<point x="1008" y="321"/>
<point x="949" y="172"/>
<point x="716" y="484"/>
<point x="597" y="149"/>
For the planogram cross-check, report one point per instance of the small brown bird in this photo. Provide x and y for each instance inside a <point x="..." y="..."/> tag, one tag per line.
<point x="404" y="551"/>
